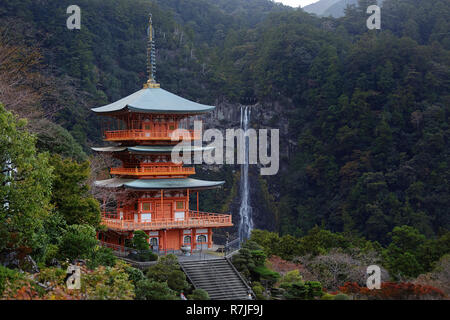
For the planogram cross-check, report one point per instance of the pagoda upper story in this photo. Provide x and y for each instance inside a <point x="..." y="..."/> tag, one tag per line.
<point x="150" y="116"/>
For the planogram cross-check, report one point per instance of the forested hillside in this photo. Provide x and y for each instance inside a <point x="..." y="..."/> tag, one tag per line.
<point x="368" y="110"/>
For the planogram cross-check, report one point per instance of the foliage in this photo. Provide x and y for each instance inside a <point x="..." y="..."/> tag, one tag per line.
<point x="140" y="240"/>
<point x="140" y="243"/>
<point x="7" y="274"/>
<point x="71" y="192"/>
<point x="134" y="274"/>
<point x="168" y="270"/>
<point x="302" y="290"/>
<point x="25" y="184"/>
<point x="410" y="253"/>
<point x="78" y="242"/>
<point x="198" y="294"/>
<point x="258" y="290"/>
<point x="101" y="256"/>
<point x="154" y="290"/>
<point x="108" y="283"/>
<point x="394" y="291"/>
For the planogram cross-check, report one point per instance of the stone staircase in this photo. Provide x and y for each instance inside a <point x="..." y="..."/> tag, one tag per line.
<point x="218" y="277"/>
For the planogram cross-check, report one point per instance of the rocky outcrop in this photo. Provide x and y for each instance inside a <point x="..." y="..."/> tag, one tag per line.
<point x="12" y="260"/>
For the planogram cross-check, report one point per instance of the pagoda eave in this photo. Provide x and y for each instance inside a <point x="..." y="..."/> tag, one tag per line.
<point x="158" y="184"/>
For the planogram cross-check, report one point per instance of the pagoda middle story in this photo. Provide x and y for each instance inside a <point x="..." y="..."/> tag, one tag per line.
<point x="152" y="193"/>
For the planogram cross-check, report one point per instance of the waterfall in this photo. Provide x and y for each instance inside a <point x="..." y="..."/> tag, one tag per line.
<point x="245" y="211"/>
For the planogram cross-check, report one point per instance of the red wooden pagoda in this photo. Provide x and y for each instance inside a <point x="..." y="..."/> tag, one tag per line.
<point x="152" y="193"/>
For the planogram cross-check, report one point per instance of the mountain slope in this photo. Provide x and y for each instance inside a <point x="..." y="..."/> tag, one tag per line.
<point x="319" y="7"/>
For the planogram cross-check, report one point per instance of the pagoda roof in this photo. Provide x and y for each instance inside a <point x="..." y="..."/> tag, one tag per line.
<point x="157" y="184"/>
<point x="151" y="149"/>
<point x="155" y="100"/>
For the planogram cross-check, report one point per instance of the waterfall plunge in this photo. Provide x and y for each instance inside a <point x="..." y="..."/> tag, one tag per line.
<point x="245" y="211"/>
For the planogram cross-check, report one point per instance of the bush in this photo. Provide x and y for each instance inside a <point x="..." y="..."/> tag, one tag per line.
<point x="140" y="240"/>
<point x="134" y="274"/>
<point x="108" y="283"/>
<point x="78" y="242"/>
<point x="341" y="296"/>
<point x="7" y="274"/>
<point x="102" y="256"/>
<point x="303" y="290"/>
<point x="177" y="281"/>
<point x="152" y="290"/>
<point x="258" y="290"/>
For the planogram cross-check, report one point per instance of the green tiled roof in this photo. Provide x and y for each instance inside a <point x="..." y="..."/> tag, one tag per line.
<point x="155" y="100"/>
<point x="157" y="184"/>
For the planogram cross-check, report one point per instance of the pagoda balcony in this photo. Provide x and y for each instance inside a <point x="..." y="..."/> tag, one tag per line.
<point x="194" y="219"/>
<point x="154" y="171"/>
<point x="135" y="134"/>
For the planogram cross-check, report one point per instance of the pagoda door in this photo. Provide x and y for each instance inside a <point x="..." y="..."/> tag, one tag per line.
<point x="165" y="213"/>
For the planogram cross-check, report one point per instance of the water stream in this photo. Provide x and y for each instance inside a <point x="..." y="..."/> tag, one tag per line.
<point x="245" y="211"/>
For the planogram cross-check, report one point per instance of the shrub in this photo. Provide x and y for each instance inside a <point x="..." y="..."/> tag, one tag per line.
<point x="198" y="294"/>
<point x="153" y="290"/>
<point x="78" y="242"/>
<point x="341" y="296"/>
<point x="134" y="274"/>
<point x="303" y="290"/>
<point x="258" y="290"/>
<point x="7" y="274"/>
<point x="108" y="283"/>
<point x="394" y="291"/>
<point x="177" y="281"/>
<point x="102" y="256"/>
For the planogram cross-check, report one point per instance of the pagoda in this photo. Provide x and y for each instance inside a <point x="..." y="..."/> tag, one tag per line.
<point x="151" y="192"/>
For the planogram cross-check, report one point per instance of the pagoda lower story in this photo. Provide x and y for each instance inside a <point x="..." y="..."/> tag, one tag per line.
<point x="164" y="215"/>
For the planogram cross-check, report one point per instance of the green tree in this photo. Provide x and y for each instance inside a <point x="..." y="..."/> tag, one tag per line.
<point x="71" y="192"/>
<point x="25" y="185"/>
<point x="153" y="290"/>
<point x="198" y="294"/>
<point x="78" y="242"/>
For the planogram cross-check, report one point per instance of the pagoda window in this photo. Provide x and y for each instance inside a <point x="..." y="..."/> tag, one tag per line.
<point x="146" y="206"/>
<point x="201" y="238"/>
<point x="180" y="204"/>
<point x="187" y="240"/>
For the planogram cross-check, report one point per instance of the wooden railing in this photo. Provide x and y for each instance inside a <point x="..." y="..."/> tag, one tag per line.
<point x="154" y="170"/>
<point x="118" y="135"/>
<point x="194" y="219"/>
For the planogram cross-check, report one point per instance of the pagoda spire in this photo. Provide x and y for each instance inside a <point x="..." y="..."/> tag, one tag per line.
<point x="151" y="57"/>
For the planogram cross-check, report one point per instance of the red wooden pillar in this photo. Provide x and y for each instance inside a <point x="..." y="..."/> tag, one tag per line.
<point x="193" y="240"/>
<point x="197" y="201"/>
<point x="209" y="238"/>
<point x="187" y="206"/>
<point x="165" y="242"/>
<point x="162" y="203"/>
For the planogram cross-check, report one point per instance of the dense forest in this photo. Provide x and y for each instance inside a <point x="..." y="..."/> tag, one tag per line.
<point x="367" y="113"/>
